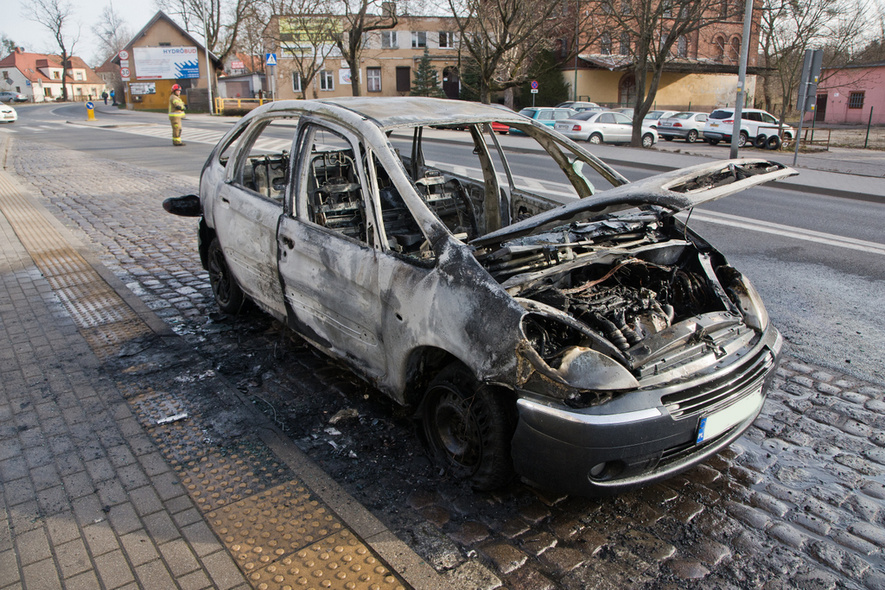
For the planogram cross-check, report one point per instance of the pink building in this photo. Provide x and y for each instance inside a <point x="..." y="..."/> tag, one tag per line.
<point x="846" y="95"/>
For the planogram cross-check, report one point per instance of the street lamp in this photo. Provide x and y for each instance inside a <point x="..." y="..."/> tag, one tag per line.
<point x="206" y="47"/>
<point x="742" y="79"/>
<point x="577" y="31"/>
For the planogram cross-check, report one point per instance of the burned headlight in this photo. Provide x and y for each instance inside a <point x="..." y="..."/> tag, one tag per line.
<point x="566" y="355"/>
<point x="744" y="295"/>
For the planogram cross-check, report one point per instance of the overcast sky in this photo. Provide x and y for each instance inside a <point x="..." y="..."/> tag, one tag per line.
<point x="36" y="38"/>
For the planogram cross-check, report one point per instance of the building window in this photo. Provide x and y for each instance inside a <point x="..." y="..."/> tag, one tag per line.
<point x="165" y="44"/>
<point x="855" y="100"/>
<point x="624" y="48"/>
<point x="296" y="82"/>
<point x="327" y="81"/>
<point x="682" y="47"/>
<point x="446" y="39"/>
<point x="78" y="75"/>
<point x="403" y="78"/>
<point x="605" y="44"/>
<point x="723" y="9"/>
<point x="56" y="75"/>
<point x="47" y="92"/>
<point x="373" y="79"/>
<point x="719" y="42"/>
<point x="389" y="40"/>
<point x="419" y="39"/>
<point x="735" y="49"/>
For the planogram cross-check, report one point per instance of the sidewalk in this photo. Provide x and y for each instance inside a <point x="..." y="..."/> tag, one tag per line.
<point x="116" y="476"/>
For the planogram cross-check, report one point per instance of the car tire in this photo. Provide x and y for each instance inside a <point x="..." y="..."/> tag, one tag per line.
<point x="773" y="143"/>
<point x="743" y="138"/>
<point x="468" y="428"/>
<point x="692" y="136"/>
<point x="712" y="141"/>
<point x="228" y="294"/>
<point x="761" y="141"/>
<point x="595" y="139"/>
<point x="648" y="140"/>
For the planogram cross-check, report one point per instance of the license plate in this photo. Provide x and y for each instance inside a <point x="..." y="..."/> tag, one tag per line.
<point x="715" y="424"/>
<point x="714" y="124"/>
<point x="562" y="126"/>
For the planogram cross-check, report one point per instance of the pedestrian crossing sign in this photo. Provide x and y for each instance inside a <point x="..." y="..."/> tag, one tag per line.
<point x="270" y="59"/>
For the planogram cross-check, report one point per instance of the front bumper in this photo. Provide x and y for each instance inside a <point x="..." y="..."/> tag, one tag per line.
<point x="594" y="451"/>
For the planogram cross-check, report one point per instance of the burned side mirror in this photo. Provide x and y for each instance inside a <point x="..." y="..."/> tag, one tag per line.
<point x="185" y="206"/>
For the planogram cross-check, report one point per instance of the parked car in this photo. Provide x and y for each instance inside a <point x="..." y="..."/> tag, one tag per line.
<point x="652" y="117"/>
<point x="625" y="111"/>
<point x="500" y="128"/>
<point x="604" y="127"/>
<point x="757" y="127"/>
<point x="687" y="125"/>
<point x="544" y="115"/>
<point x="8" y="114"/>
<point x="12" y="97"/>
<point x="580" y="105"/>
<point x="589" y="347"/>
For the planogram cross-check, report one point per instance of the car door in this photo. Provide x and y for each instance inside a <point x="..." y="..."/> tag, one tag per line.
<point x="329" y="250"/>
<point x="622" y="130"/>
<point x="249" y="205"/>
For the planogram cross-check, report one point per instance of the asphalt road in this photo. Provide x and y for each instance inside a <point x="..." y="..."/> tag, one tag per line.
<point x="817" y="260"/>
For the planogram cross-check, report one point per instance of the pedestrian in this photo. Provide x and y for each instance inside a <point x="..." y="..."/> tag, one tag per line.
<point x="113" y="98"/>
<point x="104" y="95"/>
<point x="176" y="113"/>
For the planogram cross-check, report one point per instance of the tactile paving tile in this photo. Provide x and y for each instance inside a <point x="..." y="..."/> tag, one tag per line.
<point x="338" y="561"/>
<point x="265" y="527"/>
<point x="216" y="480"/>
<point x="106" y="341"/>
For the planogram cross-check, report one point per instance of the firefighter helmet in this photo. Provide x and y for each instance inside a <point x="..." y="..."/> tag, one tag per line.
<point x="175" y="87"/>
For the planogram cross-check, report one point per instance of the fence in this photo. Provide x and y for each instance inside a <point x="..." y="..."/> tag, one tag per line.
<point x="237" y="106"/>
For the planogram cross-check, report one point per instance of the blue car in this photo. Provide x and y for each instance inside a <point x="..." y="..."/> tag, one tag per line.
<point x="546" y="115"/>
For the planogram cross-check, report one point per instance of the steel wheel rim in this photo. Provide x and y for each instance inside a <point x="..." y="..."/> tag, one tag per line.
<point x="219" y="276"/>
<point x="455" y="430"/>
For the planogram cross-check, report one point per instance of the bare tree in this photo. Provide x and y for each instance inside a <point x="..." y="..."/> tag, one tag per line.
<point x="654" y="28"/>
<point x="308" y="39"/>
<point x="789" y="27"/>
<point x="218" y="21"/>
<point x="499" y="39"/>
<point x="112" y="31"/>
<point x="357" y="20"/>
<point x="56" y="15"/>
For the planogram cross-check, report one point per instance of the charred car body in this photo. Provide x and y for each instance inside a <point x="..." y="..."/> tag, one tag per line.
<point x="590" y="346"/>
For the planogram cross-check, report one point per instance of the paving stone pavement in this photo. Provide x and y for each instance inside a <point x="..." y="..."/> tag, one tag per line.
<point x="799" y="502"/>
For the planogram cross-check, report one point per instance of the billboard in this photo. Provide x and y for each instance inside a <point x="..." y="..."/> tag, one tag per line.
<point x="166" y="63"/>
<point x="311" y="37"/>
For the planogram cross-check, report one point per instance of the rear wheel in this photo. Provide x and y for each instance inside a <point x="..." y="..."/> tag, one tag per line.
<point x="228" y="294"/>
<point x="467" y="427"/>
<point x="595" y="139"/>
<point x="648" y="140"/>
<point x="692" y="136"/>
<point x="742" y="139"/>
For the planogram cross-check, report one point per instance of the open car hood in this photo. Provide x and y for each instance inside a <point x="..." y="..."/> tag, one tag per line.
<point x="676" y="190"/>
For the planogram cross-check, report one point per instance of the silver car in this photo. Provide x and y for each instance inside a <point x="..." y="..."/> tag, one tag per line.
<point x="686" y="125"/>
<point x="588" y="342"/>
<point x="603" y="127"/>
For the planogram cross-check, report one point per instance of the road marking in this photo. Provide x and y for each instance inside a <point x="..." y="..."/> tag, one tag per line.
<point x="193" y="135"/>
<point x="787" y="231"/>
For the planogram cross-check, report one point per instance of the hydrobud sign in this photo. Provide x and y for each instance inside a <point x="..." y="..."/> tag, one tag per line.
<point x="166" y="63"/>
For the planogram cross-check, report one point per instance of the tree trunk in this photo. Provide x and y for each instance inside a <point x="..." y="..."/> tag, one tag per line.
<point x="509" y="99"/>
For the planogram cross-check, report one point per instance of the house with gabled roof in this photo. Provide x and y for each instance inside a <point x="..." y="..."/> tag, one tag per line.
<point x="160" y="55"/>
<point x="39" y="77"/>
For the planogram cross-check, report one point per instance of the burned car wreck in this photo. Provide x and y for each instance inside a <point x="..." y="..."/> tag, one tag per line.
<point x="588" y="341"/>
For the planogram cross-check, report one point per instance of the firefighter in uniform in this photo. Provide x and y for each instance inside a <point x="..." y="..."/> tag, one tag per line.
<point x="176" y="113"/>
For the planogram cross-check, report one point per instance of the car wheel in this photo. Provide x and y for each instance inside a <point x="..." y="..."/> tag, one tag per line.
<point x="743" y="138"/>
<point x="760" y="141"/>
<point x="467" y="427"/>
<point x="713" y="141"/>
<point x="228" y="294"/>
<point x="667" y="137"/>
<point x="595" y="139"/>
<point x="648" y="140"/>
<point x="692" y="136"/>
<point x="773" y="143"/>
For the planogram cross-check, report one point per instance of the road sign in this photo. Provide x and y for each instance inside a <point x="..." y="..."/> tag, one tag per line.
<point x="534" y="91"/>
<point x="90" y="105"/>
<point x="270" y="59"/>
<point x="534" y="84"/>
<point x="124" y="72"/>
<point x="124" y="54"/>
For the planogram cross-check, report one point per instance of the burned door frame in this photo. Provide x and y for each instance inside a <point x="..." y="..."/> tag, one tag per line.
<point x="330" y="280"/>
<point x="250" y="244"/>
